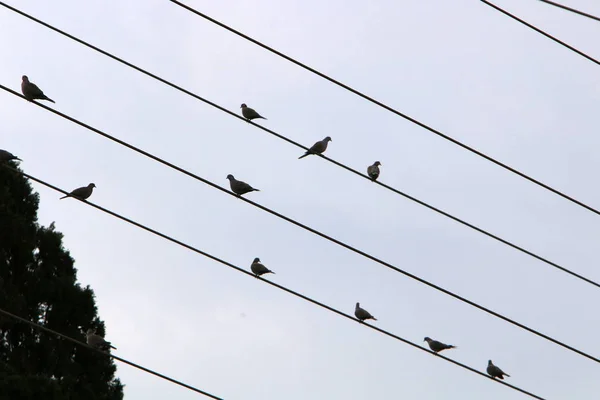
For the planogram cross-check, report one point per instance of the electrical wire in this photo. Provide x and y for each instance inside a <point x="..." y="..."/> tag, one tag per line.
<point x="538" y="30"/>
<point x="247" y="273"/>
<point x="345" y="167"/>
<point x="124" y="361"/>
<point x="307" y="228"/>
<point x="389" y="108"/>
<point x="570" y="9"/>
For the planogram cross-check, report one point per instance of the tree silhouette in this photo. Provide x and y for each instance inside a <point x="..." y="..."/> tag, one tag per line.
<point x="38" y="281"/>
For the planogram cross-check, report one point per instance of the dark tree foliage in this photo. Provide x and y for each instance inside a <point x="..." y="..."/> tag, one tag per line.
<point x="38" y="281"/>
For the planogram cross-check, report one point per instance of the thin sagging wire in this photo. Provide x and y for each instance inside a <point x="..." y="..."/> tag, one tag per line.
<point x="124" y="361"/>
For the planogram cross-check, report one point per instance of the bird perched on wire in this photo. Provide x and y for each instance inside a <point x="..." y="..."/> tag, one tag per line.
<point x="239" y="187"/>
<point x="32" y="92"/>
<point x="81" y="193"/>
<point x="373" y="171"/>
<point x="258" y="269"/>
<point x="362" y="314"/>
<point x="8" y="156"/>
<point x="317" y="148"/>
<point x="495" y="372"/>
<point x="436" y="346"/>
<point x="97" y="341"/>
<point x="249" y="113"/>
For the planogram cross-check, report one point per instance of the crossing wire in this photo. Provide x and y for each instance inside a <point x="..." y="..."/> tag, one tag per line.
<point x="124" y="361"/>
<point x="282" y="137"/>
<point x="306" y="227"/>
<point x="388" y="108"/>
<point x="285" y="289"/>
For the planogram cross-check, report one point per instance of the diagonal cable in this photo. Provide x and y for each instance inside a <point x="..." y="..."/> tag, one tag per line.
<point x="538" y="30"/>
<point x="570" y="9"/>
<point x="124" y="361"/>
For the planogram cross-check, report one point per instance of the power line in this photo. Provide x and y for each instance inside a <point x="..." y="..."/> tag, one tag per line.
<point x="570" y="9"/>
<point x="538" y="30"/>
<point x="77" y="342"/>
<point x="285" y="289"/>
<point x="388" y="108"/>
<point x="392" y="189"/>
<point x="307" y="228"/>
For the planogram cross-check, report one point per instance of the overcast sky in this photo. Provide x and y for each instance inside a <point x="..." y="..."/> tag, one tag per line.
<point x="459" y="66"/>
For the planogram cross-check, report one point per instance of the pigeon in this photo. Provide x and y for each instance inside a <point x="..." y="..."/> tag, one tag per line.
<point x="495" y="372"/>
<point x="32" y="92"/>
<point x="317" y="148"/>
<point x="81" y="193"/>
<point x="259" y="269"/>
<point x="97" y="341"/>
<point x="436" y="346"/>
<point x="373" y="171"/>
<point x="239" y="187"/>
<point x="362" y="314"/>
<point x="249" y="113"/>
<point x="7" y="156"/>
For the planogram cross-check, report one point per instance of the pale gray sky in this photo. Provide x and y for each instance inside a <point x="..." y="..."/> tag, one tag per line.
<point x="459" y="66"/>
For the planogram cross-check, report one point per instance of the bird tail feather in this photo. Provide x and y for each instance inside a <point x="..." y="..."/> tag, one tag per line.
<point x="304" y="155"/>
<point x="50" y="100"/>
<point x="64" y="197"/>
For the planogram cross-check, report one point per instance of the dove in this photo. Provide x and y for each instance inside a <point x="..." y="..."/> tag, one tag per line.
<point x="249" y="113"/>
<point x="259" y="269"/>
<point x="81" y="193"/>
<point x="97" y="341"/>
<point x="239" y="187"/>
<point x="7" y="156"/>
<point x="373" y="171"/>
<point x="32" y="92"/>
<point x="362" y="314"/>
<point x="436" y="346"/>
<point x="495" y="372"/>
<point x="317" y="148"/>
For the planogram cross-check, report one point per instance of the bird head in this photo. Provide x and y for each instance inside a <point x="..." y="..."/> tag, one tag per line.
<point x="230" y="177"/>
<point x="25" y="78"/>
<point x="490" y="362"/>
<point x="327" y="139"/>
<point x="243" y="105"/>
<point x="256" y="260"/>
<point x="427" y="339"/>
<point x="377" y="163"/>
<point x="357" y="305"/>
<point x="91" y="185"/>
